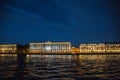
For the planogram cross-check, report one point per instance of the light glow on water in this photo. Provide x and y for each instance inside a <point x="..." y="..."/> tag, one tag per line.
<point x="63" y="67"/>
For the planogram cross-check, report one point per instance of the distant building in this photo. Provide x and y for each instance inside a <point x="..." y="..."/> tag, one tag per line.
<point x="50" y="47"/>
<point x="75" y="50"/>
<point x="92" y="48"/>
<point x="112" y="47"/>
<point x="8" y="48"/>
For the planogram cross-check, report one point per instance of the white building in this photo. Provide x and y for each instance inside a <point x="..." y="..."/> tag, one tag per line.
<point x="50" y="47"/>
<point x="92" y="48"/>
<point x="112" y="48"/>
<point x="8" y="48"/>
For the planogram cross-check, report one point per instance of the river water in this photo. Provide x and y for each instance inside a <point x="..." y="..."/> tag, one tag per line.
<point x="60" y="67"/>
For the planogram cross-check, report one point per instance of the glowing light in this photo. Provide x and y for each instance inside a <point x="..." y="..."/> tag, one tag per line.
<point x="48" y="48"/>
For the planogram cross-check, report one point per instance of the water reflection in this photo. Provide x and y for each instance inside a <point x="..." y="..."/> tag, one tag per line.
<point x="62" y="67"/>
<point x="7" y="65"/>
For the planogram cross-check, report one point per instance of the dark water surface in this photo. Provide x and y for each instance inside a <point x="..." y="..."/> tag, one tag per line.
<point x="59" y="67"/>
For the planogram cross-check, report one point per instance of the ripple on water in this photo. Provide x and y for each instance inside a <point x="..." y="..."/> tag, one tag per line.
<point x="87" y="67"/>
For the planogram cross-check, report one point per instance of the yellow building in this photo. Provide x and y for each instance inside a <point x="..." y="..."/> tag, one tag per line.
<point x="50" y="47"/>
<point x="8" y="48"/>
<point x="113" y="48"/>
<point x="92" y="48"/>
<point x="75" y="50"/>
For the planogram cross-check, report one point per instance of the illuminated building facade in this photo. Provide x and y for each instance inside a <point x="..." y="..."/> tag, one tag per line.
<point x="50" y="47"/>
<point x="112" y="48"/>
<point x="8" y="48"/>
<point x="92" y="48"/>
<point x="75" y="50"/>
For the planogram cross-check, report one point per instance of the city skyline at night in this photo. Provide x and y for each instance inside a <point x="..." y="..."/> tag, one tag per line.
<point x="76" y="21"/>
<point x="59" y="39"/>
<point x="61" y="48"/>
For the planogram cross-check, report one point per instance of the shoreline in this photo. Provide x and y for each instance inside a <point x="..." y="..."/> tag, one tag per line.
<point x="64" y="53"/>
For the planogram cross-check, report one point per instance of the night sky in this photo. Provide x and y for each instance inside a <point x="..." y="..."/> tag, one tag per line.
<point x="77" y="21"/>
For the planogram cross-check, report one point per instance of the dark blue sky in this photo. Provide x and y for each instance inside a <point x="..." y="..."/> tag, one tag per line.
<point x="77" y="21"/>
